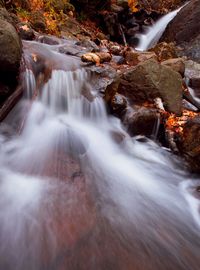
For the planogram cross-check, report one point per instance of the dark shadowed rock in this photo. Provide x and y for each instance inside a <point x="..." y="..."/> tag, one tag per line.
<point x="118" y="104"/>
<point x="192" y="73"/>
<point x="184" y="30"/>
<point x="25" y="31"/>
<point x="189" y="143"/>
<point x="10" y="48"/>
<point x="142" y="121"/>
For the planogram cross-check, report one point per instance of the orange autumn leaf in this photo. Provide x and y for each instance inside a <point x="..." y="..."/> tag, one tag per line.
<point x="133" y="5"/>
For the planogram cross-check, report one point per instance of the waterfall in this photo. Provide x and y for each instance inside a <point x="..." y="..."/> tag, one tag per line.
<point x="154" y="32"/>
<point x="77" y="192"/>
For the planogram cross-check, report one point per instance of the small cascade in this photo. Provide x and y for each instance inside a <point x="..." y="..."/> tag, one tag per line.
<point x="154" y="33"/>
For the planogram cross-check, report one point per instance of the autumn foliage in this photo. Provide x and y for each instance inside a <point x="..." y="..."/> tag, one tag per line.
<point x="133" y="4"/>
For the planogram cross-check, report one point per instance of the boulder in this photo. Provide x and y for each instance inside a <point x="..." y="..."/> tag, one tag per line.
<point x="185" y="32"/>
<point x="147" y="81"/>
<point x="10" y="48"/>
<point x="96" y="58"/>
<point x="25" y="31"/>
<point x="134" y="57"/>
<point x="189" y="143"/>
<point x="10" y="57"/>
<point x="118" y="105"/>
<point x="192" y="74"/>
<point x="142" y="121"/>
<point x="177" y="64"/>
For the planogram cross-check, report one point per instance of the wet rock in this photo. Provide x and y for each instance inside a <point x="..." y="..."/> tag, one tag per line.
<point x="165" y="51"/>
<point x="177" y="64"/>
<point x="118" y="104"/>
<point x="180" y="30"/>
<point x="90" y="45"/>
<point x="134" y="57"/>
<point x="186" y="32"/>
<point x="10" y="48"/>
<point x="38" y="21"/>
<point x="192" y="74"/>
<point x="147" y="81"/>
<point x="142" y="121"/>
<point x="115" y="49"/>
<point x="50" y="40"/>
<point x="25" y="31"/>
<point x="96" y="58"/>
<point x="189" y="143"/>
<point x="119" y="60"/>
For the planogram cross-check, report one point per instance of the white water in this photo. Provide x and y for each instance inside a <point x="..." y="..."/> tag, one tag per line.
<point x="76" y="192"/>
<point x="154" y="32"/>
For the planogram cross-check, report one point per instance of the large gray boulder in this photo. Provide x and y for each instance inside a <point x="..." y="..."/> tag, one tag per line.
<point x="10" y="48"/>
<point x="10" y="57"/>
<point x="147" y="81"/>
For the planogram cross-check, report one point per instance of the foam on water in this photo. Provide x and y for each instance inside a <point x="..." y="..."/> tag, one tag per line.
<point x="130" y="196"/>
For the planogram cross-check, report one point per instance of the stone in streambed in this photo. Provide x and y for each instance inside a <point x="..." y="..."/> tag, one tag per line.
<point x="189" y="143"/>
<point x="147" y="81"/>
<point x="142" y="121"/>
<point x="96" y="58"/>
<point x="192" y="73"/>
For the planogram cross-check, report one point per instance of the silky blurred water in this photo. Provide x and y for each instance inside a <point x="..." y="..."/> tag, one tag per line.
<point x="77" y="192"/>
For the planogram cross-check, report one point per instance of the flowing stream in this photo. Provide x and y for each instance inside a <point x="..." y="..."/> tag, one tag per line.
<point x="77" y="192"/>
<point x="153" y="33"/>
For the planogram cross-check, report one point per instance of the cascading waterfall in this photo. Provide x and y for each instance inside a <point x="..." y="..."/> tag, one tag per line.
<point x="154" y="33"/>
<point x="77" y="192"/>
